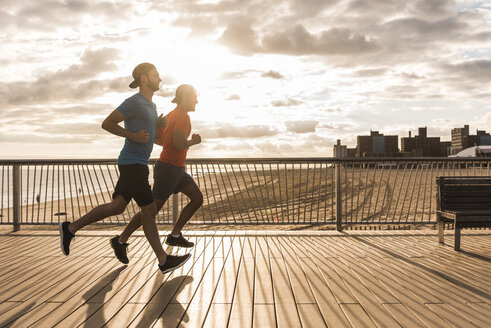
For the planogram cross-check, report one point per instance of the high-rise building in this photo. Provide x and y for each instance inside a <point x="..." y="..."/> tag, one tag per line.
<point x="461" y="139"/>
<point x="421" y="145"/>
<point x="376" y="145"/>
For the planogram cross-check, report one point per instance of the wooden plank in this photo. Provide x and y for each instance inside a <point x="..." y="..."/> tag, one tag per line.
<point x="32" y="316"/>
<point x="156" y="279"/>
<point x="263" y="285"/>
<point x="463" y="270"/>
<point x="6" y="306"/>
<point x="335" y="283"/>
<point x="11" y="312"/>
<point x="25" y="272"/>
<point x="226" y="286"/>
<point x="242" y="306"/>
<point x="370" y="281"/>
<point x="150" y="313"/>
<point x="373" y="308"/>
<point x="325" y="299"/>
<point x="78" y="288"/>
<point x="403" y="315"/>
<point x="264" y="316"/>
<point x="185" y="293"/>
<point x="40" y="296"/>
<point x="310" y="315"/>
<point x="175" y="314"/>
<point x="91" y="276"/>
<point x="164" y="290"/>
<point x="104" y="289"/>
<point x="274" y="247"/>
<point x="406" y="293"/>
<point x="298" y="281"/>
<point x="33" y="282"/>
<point x="197" y="309"/>
<point x="218" y="314"/>
<point x="451" y="315"/>
<point x="59" y="280"/>
<point x="358" y="317"/>
<point x="285" y="307"/>
<point x="93" y="310"/>
<point x="445" y="277"/>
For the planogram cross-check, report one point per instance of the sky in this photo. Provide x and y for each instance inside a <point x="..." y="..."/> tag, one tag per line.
<point x="274" y="78"/>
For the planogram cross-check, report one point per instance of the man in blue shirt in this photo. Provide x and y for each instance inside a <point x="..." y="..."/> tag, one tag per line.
<point x="140" y="122"/>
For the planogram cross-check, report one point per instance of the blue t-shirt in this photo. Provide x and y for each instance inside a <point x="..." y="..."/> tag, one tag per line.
<point x="139" y="114"/>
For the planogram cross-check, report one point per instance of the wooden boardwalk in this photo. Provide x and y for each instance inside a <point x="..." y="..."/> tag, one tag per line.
<point x="250" y="279"/>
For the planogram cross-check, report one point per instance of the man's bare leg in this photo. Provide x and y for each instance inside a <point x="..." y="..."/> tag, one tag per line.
<point x="98" y="213"/>
<point x="148" y="213"/>
<point x="196" y="200"/>
<point x="136" y="222"/>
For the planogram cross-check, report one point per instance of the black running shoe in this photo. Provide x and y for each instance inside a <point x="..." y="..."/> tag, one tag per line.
<point x="65" y="237"/>
<point x="173" y="262"/>
<point x="178" y="241"/>
<point x="120" y="250"/>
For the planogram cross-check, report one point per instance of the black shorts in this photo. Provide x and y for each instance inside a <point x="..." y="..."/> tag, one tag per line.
<point x="169" y="179"/>
<point x="133" y="183"/>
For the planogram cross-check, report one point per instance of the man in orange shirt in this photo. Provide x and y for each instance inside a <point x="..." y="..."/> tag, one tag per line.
<point x="169" y="173"/>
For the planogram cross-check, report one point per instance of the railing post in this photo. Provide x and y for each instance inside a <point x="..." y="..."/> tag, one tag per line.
<point x="175" y="203"/>
<point x="339" y="197"/>
<point x="16" y="190"/>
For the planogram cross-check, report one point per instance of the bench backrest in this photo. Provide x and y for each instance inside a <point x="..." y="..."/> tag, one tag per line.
<point x="463" y="193"/>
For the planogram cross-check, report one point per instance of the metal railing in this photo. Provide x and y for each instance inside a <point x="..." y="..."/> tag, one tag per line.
<point x="243" y="191"/>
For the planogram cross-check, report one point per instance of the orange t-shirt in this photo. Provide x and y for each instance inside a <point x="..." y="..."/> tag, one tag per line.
<point x="177" y="119"/>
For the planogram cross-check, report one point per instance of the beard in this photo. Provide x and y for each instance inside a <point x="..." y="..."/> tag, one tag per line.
<point x="154" y="86"/>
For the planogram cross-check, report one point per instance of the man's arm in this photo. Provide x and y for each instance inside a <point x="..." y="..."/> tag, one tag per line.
<point x="180" y="141"/>
<point x="158" y="137"/>
<point x="111" y="125"/>
<point x="161" y="121"/>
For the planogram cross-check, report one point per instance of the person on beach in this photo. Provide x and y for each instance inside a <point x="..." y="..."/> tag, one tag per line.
<point x="140" y="124"/>
<point x="169" y="172"/>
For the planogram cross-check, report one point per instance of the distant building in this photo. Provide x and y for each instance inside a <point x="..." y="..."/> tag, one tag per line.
<point x="351" y="152"/>
<point x="422" y="145"/>
<point x="445" y="148"/>
<point x="340" y="150"/>
<point x="461" y="139"/>
<point x="377" y="145"/>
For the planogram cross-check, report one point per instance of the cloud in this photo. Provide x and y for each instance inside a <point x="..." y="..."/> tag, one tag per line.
<point x="338" y="126"/>
<point x="472" y="70"/>
<point x="373" y="72"/>
<point x="241" y="38"/>
<point x="52" y="16"/>
<point x="237" y="75"/>
<point x="301" y="126"/>
<point x="200" y="25"/>
<point x="76" y="82"/>
<point x="272" y="74"/>
<point x="297" y="40"/>
<point x="336" y="41"/>
<point x="233" y="97"/>
<point x="288" y="102"/>
<point x="411" y="76"/>
<point x="44" y="114"/>
<point x="229" y="130"/>
<point x="333" y="110"/>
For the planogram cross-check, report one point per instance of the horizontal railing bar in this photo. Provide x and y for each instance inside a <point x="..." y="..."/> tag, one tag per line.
<point x="272" y="160"/>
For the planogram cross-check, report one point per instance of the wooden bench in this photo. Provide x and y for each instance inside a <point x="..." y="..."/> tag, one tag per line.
<point x="465" y="201"/>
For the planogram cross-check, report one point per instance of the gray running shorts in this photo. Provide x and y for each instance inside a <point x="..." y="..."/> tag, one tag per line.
<point x="169" y="179"/>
